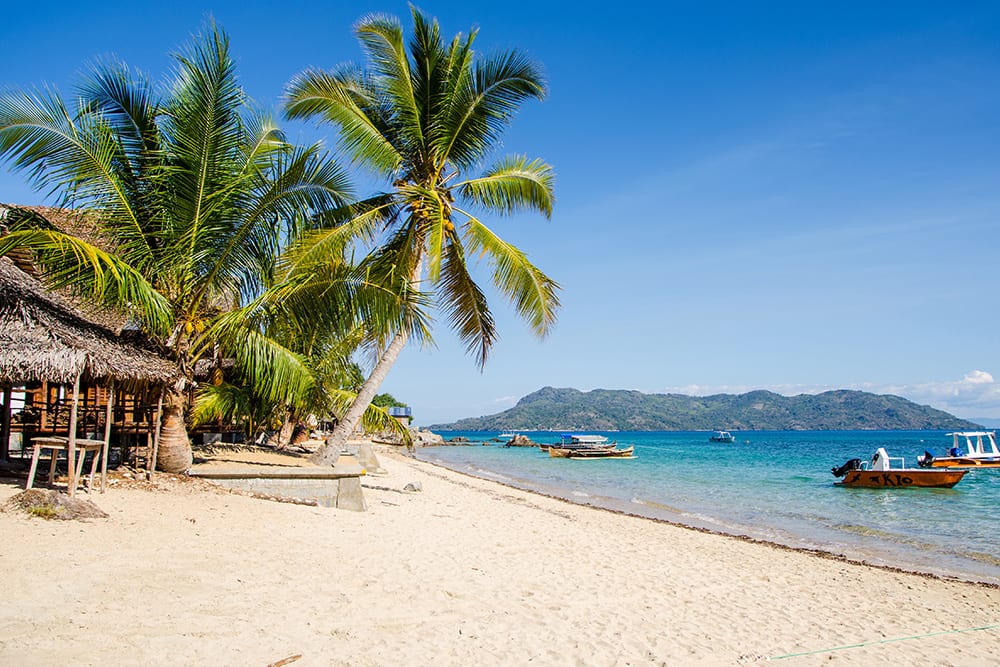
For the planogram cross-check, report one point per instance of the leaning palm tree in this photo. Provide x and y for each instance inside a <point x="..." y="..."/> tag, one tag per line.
<point x="316" y="312"/>
<point x="423" y="118"/>
<point x="195" y="194"/>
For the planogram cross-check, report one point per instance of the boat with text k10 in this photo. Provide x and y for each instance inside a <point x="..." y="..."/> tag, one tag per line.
<point x="879" y="474"/>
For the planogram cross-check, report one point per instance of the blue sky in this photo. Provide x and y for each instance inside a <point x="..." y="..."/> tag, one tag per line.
<point x="789" y="196"/>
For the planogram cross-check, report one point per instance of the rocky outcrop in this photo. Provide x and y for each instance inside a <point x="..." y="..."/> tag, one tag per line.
<point x="520" y="441"/>
<point x="423" y="438"/>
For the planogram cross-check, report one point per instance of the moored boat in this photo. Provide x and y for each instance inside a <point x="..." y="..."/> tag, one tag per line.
<point x="573" y="440"/>
<point x="980" y="451"/>
<point x="722" y="436"/>
<point x="880" y="474"/>
<point x="601" y="453"/>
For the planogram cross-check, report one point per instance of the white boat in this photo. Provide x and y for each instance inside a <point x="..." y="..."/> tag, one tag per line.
<point x="968" y="449"/>
<point x="722" y="436"/>
<point x="574" y="441"/>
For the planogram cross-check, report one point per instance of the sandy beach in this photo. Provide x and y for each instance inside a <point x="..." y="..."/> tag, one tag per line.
<point x="464" y="571"/>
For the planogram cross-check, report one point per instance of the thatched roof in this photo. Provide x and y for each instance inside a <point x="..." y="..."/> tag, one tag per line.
<point x="43" y="338"/>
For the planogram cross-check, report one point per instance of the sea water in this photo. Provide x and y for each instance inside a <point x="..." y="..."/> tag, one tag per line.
<point x="768" y="485"/>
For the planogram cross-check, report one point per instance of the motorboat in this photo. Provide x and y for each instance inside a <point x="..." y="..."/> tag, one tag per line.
<point x="722" y="436"/>
<point x="972" y="449"/>
<point x="880" y="474"/>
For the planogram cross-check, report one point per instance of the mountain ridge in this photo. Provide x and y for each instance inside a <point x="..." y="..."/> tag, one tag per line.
<point x="558" y="409"/>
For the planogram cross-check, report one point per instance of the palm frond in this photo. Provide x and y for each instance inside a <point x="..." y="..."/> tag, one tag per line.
<point x="466" y="305"/>
<point x="513" y="184"/>
<point x="374" y="420"/>
<point x="343" y="99"/>
<point x="483" y="104"/>
<point x="276" y="372"/>
<point x="101" y="276"/>
<point x="76" y="157"/>
<point x="381" y="37"/>
<point x="224" y="401"/>
<point x="534" y="295"/>
<point x="205" y="135"/>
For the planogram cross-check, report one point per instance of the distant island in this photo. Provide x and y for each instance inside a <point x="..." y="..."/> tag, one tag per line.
<point x="551" y="409"/>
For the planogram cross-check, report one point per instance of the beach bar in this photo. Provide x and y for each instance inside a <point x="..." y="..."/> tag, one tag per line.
<point x="60" y="373"/>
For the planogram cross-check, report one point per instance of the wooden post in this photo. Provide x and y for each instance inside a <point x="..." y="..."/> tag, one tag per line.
<point x="107" y="436"/>
<point x="151" y="463"/>
<point x="44" y="417"/>
<point x="71" y="472"/>
<point x="8" y="389"/>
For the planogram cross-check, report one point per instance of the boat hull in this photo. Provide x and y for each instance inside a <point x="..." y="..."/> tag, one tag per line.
<point x="903" y="478"/>
<point x="965" y="462"/>
<point x="586" y="454"/>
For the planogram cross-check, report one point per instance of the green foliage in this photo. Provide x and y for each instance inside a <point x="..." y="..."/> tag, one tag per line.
<point x="551" y="409"/>
<point x="197" y="197"/>
<point x="387" y="401"/>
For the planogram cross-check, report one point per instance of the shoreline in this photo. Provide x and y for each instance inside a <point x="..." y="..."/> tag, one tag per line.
<point x="818" y="552"/>
<point x="776" y="489"/>
<point x="468" y="569"/>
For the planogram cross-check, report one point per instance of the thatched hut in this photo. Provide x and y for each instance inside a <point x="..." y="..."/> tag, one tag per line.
<point x="44" y="340"/>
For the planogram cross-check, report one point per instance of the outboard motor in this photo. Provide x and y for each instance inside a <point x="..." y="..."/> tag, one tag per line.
<point x="926" y="460"/>
<point x="852" y="464"/>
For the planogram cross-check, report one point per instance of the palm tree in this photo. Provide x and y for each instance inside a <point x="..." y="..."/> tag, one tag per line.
<point x="194" y="193"/>
<point x="315" y="311"/>
<point x="423" y="119"/>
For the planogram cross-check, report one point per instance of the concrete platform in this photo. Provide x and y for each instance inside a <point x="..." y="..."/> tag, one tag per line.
<point x="338" y="486"/>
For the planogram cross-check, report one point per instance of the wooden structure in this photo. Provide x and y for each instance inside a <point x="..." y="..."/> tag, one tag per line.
<point x="69" y="369"/>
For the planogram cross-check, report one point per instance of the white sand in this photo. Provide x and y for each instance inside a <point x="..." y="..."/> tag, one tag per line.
<point x="465" y="572"/>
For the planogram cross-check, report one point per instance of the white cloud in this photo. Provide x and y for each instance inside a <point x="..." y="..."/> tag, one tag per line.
<point x="975" y="395"/>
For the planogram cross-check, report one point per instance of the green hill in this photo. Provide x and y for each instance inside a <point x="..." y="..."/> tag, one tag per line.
<point x="551" y="409"/>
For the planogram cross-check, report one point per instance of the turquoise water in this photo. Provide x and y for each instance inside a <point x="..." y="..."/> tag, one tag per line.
<point x="769" y="485"/>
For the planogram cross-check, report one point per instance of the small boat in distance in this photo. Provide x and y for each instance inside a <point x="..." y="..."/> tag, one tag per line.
<point x="980" y="452"/>
<point x="880" y="475"/>
<point x="722" y="436"/>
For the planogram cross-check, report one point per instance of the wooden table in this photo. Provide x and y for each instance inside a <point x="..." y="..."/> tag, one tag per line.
<point x="56" y="444"/>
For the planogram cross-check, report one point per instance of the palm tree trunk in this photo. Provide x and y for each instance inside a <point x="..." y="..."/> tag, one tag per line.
<point x="328" y="453"/>
<point x="174" y="451"/>
<point x="285" y="432"/>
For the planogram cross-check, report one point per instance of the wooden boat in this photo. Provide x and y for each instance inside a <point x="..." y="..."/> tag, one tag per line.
<point x="572" y="442"/>
<point x="606" y="452"/>
<point x="722" y="436"/>
<point x="980" y="451"/>
<point x="596" y="453"/>
<point x="880" y="475"/>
